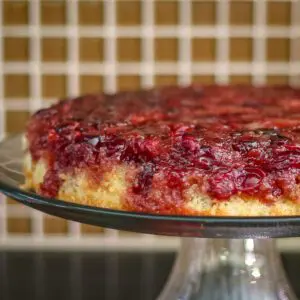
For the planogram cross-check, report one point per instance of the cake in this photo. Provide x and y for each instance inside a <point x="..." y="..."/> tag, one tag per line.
<point x="210" y="150"/>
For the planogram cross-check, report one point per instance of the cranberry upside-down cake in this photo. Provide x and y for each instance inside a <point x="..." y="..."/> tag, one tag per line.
<point x="190" y="150"/>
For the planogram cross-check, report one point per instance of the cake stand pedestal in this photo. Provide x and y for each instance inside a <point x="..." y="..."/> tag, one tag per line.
<point x="227" y="269"/>
<point x="220" y="257"/>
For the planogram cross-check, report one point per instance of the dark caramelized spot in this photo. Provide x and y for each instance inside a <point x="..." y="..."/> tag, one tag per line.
<point x="229" y="140"/>
<point x="144" y="179"/>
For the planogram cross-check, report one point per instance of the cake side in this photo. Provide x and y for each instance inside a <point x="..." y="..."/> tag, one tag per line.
<point x="205" y="150"/>
<point x="111" y="194"/>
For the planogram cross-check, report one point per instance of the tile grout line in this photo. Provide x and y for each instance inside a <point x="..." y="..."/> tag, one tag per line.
<point x="3" y="203"/>
<point x="259" y="43"/>
<point x="147" y="44"/>
<point x="35" y="90"/>
<point x="74" y="228"/>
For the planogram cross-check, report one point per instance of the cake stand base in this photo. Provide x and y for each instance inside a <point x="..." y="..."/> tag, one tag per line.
<point x="227" y="269"/>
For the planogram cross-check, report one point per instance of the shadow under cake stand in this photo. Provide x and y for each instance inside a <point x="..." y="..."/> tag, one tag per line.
<point x="220" y="257"/>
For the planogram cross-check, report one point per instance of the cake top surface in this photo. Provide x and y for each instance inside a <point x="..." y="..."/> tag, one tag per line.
<point x="240" y="139"/>
<point x="196" y="110"/>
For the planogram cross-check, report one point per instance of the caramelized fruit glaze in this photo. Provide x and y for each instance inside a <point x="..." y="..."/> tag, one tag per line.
<point x="226" y="140"/>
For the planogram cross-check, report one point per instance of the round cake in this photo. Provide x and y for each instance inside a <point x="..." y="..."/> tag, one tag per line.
<point x="189" y="150"/>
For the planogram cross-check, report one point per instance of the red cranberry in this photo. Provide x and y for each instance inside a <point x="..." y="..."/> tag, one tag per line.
<point x="206" y="151"/>
<point x="52" y="136"/>
<point x="190" y="143"/>
<point x="179" y="129"/>
<point x="151" y="146"/>
<point x="251" y="179"/>
<point x="286" y="159"/>
<point x="76" y="155"/>
<point x="141" y="150"/>
<point x="294" y="148"/>
<point x="144" y="179"/>
<point x="51" y="184"/>
<point x="113" y="146"/>
<point x="205" y="162"/>
<point x="174" y="179"/>
<point x="77" y="136"/>
<point x="221" y="184"/>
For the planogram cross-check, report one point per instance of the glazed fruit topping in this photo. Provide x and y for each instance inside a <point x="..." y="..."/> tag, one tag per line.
<point x="228" y="140"/>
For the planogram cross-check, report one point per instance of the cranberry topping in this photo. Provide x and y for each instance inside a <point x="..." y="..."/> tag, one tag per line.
<point x="51" y="184"/>
<point x="228" y="140"/>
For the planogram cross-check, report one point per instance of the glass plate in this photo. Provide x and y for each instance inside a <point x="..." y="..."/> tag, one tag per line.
<point x="11" y="177"/>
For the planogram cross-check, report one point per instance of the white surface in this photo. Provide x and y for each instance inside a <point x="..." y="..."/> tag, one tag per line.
<point x="106" y="243"/>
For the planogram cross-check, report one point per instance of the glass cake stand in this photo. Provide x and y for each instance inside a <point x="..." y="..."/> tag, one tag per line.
<point x="220" y="258"/>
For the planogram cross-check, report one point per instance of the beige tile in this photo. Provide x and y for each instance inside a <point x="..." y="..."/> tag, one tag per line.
<point x="16" y="121"/>
<point x="54" y="86"/>
<point x="91" y="49"/>
<point x="128" y="12"/>
<point x="240" y="79"/>
<point x="90" y="230"/>
<point x="54" y="49"/>
<point x="54" y="225"/>
<point x="15" y="12"/>
<point x="203" y="12"/>
<point x="18" y="225"/>
<point x="277" y="79"/>
<point x="166" y="49"/>
<point x="241" y="49"/>
<point x="91" y="13"/>
<point x="241" y="12"/>
<point x="128" y="49"/>
<point x="16" y="86"/>
<point x="53" y="12"/>
<point x="166" y="12"/>
<point x="203" y="49"/>
<point x="278" y="49"/>
<point x="279" y="13"/>
<point x="161" y="80"/>
<point x="204" y="79"/>
<point x="128" y="82"/>
<point x="16" y="49"/>
<point x="91" y="84"/>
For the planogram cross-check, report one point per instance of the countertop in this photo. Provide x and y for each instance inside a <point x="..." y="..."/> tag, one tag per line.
<point x="89" y="275"/>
